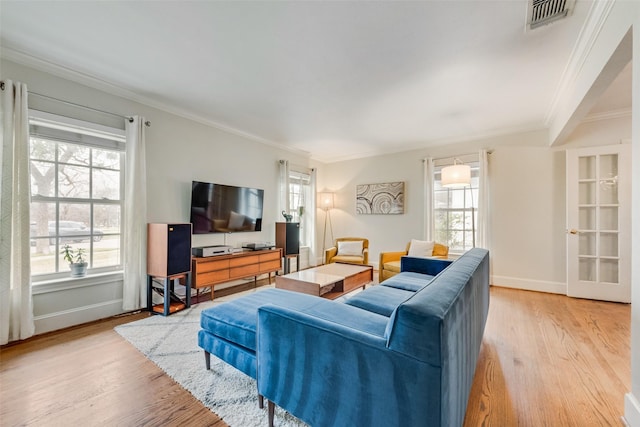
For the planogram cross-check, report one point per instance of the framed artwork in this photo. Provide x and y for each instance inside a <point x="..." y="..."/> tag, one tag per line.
<point x="386" y="198"/>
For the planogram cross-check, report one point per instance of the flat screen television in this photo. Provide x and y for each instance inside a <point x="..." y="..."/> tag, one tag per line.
<point x="218" y="208"/>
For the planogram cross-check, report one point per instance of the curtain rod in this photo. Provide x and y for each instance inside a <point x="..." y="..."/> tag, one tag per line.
<point x="456" y="156"/>
<point x="129" y="118"/>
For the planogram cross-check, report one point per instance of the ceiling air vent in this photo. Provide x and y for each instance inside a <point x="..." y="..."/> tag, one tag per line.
<point x="542" y="12"/>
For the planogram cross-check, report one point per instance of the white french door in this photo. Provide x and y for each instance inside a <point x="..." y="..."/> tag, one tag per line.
<point x="599" y="223"/>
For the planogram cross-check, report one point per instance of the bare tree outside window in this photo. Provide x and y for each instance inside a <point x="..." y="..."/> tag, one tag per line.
<point x="76" y="199"/>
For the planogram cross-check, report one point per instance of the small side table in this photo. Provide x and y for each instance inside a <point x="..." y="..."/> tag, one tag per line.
<point x="171" y="301"/>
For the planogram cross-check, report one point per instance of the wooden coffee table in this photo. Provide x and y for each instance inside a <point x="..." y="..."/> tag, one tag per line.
<point x="328" y="281"/>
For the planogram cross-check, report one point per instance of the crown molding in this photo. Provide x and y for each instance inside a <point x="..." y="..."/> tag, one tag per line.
<point x="608" y="115"/>
<point x="589" y="33"/>
<point x="105" y="86"/>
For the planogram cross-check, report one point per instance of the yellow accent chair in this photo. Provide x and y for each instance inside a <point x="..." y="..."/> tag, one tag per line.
<point x="349" y="250"/>
<point x="390" y="261"/>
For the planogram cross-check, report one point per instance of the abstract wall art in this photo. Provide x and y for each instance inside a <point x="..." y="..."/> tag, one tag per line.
<point x="386" y="198"/>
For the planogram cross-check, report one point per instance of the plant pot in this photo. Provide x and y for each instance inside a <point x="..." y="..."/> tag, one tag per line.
<point x="78" y="269"/>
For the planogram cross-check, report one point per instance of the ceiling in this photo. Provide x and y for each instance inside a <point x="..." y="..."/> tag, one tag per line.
<point x="335" y="79"/>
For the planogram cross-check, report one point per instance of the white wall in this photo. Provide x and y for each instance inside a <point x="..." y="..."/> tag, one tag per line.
<point x="179" y="150"/>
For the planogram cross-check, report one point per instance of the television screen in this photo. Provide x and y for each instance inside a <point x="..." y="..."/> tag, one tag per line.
<point x="217" y="208"/>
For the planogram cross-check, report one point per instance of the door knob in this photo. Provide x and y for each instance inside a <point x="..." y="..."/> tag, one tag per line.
<point x="573" y="231"/>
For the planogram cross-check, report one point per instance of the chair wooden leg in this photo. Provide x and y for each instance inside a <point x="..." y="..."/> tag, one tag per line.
<point x="271" y="409"/>
<point x="260" y="401"/>
<point x="207" y="359"/>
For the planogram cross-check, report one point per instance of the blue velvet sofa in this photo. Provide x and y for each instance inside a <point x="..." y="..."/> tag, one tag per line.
<point x="399" y="354"/>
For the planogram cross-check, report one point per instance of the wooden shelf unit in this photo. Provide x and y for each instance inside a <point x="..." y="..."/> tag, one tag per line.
<point x="209" y="271"/>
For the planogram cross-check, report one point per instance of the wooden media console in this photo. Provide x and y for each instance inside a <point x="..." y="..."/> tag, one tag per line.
<point x="209" y="271"/>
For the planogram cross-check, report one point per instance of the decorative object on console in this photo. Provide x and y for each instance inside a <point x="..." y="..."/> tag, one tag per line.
<point x="286" y="216"/>
<point x="385" y="198"/>
<point x="326" y="202"/>
<point x="349" y="247"/>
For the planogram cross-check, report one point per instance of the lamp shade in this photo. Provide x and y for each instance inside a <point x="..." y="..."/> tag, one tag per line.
<point x="456" y="176"/>
<point x="325" y="200"/>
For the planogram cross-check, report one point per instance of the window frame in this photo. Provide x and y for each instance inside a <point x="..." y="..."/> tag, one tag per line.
<point x="300" y="181"/>
<point x="470" y="196"/>
<point x="59" y="129"/>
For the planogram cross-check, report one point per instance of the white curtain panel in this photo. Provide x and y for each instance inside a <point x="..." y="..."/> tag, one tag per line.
<point x="482" y="240"/>
<point x="309" y="219"/>
<point x="429" y="228"/>
<point x="16" y="304"/>
<point x="283" y="186"/>
<point x="135" y="217"/>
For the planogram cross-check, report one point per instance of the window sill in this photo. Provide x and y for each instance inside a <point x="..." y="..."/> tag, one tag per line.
<point x="66" y="283"/>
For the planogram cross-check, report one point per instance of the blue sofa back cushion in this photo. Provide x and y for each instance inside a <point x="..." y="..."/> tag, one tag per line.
<point x="408" y="281"/>
<point x="379" y="299"/>
<point x="419" y="325"/>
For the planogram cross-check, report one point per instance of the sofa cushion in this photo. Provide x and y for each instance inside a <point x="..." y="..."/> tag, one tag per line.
<point x="408" y="281"/>
<point x="421" y="248"/>
<point x="348" y="259"/>
<point x="350" y="248"/>
<point x="235" y="320"/>
<point x="392" y="266"/>
<point x="379" y="299"/>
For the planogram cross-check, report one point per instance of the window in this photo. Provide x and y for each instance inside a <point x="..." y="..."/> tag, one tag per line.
<point x="456" y="212"/>
<point x="77" y="181"/>
<point x="299" y="193"/>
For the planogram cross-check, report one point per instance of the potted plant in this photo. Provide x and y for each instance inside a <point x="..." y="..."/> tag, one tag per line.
<point x="76" y="260"/>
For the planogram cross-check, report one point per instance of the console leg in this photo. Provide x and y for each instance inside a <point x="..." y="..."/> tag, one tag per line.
<point x="271" y="410"/>
<point x="207" y="360"/>
<point x="260" y="401"/>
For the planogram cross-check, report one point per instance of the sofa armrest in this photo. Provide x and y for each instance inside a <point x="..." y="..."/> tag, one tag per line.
<point x="330" y="253"/>
<point x="430" y="266"/>
<point x="390" y="256"/>
<point x="365" y="255"/>
<point x="309" y="366"/>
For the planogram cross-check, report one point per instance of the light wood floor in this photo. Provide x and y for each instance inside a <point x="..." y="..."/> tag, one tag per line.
<point x="546" y="360"/>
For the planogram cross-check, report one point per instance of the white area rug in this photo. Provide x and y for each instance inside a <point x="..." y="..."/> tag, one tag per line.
<point x="172" y="343"/>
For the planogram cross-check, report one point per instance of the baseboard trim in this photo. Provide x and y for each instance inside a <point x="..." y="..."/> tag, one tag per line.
<point x="78" y="315"/>
<point x="631" y="410"/>
<point x="529" y="285"/>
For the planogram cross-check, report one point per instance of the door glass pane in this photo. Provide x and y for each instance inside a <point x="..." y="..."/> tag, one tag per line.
<point x="587" y="167"/>
<point x="587" y="269"/>
<point x="587" y="244"/>
<point x="609" y="270"/>
<point x="608" y="193"/>
<point x="609" y="244"/>
<point x="609" y="218"/>
<point x="587" y="193"/>
<point x="587" y="220"/>
<point x="608" y="166"/>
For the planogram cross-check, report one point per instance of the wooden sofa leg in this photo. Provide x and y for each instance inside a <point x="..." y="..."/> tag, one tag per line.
<point x="207" y="359"/>
<point x="260" y="401"/>
<point x="271" y="410"/>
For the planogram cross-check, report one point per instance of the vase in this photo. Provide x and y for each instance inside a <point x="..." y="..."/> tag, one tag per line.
<point x="78" y="269"/>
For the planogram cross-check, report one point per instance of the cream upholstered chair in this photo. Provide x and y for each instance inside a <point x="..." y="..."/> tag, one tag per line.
<point x="350" y="250"/>
<point x="390" y="261"/>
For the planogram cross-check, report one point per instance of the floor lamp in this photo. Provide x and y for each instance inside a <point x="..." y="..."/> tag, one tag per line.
<point x="326" y="202"/>
<point x="458" y="175"/>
